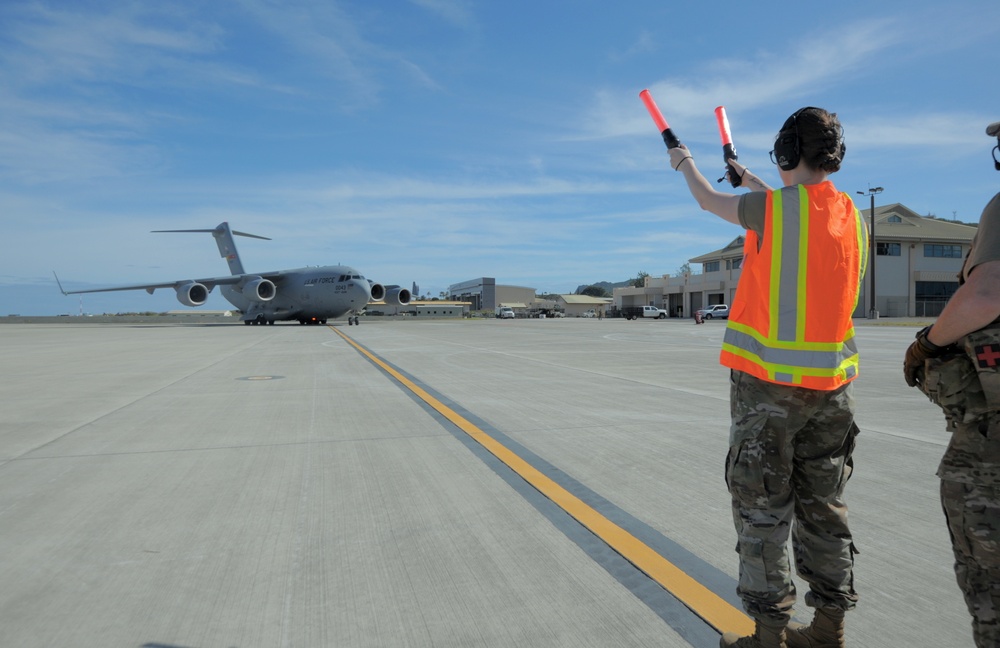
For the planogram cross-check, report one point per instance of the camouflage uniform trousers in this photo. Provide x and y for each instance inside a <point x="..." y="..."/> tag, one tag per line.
<point x="789" y="459"/>
<point x="970" y="496"/>
<point x="973" y="515"/>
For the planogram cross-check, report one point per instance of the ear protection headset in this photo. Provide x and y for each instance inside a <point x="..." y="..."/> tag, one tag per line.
<point x="991" y="130"/>
<point x="788" y="146"/>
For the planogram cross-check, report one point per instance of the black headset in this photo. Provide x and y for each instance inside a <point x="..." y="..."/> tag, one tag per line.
<point x="788" y="146"/>
<point x="993" y="130"/>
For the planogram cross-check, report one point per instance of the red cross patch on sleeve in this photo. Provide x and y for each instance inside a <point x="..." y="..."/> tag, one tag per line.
<point x="988" y="355"/>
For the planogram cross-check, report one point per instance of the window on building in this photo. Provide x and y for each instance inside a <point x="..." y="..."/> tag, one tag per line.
<point x="737" y="263"/>
<point x="944" y="251"/>
<point x="894" y="219"/>
<point x="887" y="249"/>
<point x="932" y="296"/>
<point x="711" y="266"/>
<point x="935" y="289"/>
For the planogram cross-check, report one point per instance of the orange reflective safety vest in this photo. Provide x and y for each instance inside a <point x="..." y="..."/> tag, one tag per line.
<point x="790" y="321"/>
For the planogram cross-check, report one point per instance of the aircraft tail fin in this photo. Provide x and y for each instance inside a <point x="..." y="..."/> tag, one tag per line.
<point x="227" y="246"/>
<point x="59" y="283"/>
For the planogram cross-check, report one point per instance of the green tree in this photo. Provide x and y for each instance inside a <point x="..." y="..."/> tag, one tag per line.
<point x="594" y="291"/>
<point x="640" y="279"/>
<point x="683" y="270"/>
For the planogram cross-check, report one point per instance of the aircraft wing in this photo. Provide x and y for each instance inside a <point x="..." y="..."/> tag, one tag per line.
<point x="208" y="283"/>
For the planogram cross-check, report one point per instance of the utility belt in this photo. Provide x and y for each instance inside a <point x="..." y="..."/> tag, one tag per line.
<point x="965" y="381"/>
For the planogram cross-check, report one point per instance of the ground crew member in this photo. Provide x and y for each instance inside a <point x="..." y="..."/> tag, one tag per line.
<point x="790" y="346"/>
<point x="956" y="362"/>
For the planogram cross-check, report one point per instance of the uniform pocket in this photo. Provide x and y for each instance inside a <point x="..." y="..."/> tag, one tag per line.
<point x="952" y="383"/>
<point x="747" y="475"/>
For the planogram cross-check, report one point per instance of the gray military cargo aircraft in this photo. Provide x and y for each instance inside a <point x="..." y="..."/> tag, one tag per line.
<point x="308" y="295"/>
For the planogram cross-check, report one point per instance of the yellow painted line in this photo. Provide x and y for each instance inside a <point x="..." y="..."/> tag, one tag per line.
<point x="717" y="612"/>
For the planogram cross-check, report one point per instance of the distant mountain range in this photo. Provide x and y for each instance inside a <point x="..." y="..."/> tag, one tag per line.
<point x="606" y="285"/>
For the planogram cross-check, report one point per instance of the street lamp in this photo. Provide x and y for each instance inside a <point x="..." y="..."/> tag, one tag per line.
<point x="873" y="313"/>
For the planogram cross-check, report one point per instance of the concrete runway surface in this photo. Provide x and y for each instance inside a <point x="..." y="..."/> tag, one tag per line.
<point x="421" y="483"/>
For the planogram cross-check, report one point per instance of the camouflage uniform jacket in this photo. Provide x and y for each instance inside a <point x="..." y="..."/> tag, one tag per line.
<point x="966" y="385"/>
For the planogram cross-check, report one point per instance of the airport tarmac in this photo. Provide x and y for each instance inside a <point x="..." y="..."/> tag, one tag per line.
<point x="427" y="483"/>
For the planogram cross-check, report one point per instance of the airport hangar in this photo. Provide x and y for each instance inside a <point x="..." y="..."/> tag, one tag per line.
<point x="485" y="294"/>
<point x="917" y="261"/>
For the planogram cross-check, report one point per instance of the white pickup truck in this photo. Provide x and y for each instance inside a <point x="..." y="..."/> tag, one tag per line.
<point x="635" y="312"/>
<point x="504" y="312"/>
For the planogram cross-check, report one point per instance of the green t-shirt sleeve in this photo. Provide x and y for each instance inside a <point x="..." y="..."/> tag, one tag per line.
<point x="752" y="209"/>
<point x="986" y="245"/>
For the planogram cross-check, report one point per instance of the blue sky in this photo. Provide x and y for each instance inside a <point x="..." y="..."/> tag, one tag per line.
<point x="434" y="141"/>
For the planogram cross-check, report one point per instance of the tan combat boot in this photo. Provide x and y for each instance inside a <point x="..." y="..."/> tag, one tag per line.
<point x="825" y="631"/>
<point x="764" y="636"/>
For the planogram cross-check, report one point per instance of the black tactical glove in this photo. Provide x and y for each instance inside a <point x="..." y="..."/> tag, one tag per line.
<point x="920" y="350"/>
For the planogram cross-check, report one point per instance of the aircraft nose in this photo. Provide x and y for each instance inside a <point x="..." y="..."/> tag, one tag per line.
<point x="361" y="291"/>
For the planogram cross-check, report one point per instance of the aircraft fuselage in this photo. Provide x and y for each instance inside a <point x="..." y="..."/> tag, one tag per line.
<point x="307" y="294"/>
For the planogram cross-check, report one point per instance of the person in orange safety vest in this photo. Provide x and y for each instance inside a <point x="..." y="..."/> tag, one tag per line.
<point x="790" y="347"/>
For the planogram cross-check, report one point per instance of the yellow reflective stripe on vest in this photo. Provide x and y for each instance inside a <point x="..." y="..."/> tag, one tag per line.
<point x="789" y="255"/>
<point x="863" y="247"/>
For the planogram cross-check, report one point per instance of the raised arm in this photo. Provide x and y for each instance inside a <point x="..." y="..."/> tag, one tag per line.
<point x="723" y="205"/>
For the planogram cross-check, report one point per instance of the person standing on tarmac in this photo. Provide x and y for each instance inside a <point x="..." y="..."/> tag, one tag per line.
<point x="956" y="362"/>
<point x="790" y="346"/>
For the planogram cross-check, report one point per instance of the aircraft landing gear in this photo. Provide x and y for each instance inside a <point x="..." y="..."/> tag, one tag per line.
<point x="353" y="321"/>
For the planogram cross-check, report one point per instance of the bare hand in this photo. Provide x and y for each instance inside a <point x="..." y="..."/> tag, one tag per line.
<point x="678" y="155"/>
<point x="740" y="170"/>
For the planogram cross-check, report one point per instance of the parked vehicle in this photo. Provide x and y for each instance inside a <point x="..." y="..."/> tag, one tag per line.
<point x="590" y="313"/>
<point x="635" y="312"/>
<point x="717" y="310"/>
<point x="504" y="312"/>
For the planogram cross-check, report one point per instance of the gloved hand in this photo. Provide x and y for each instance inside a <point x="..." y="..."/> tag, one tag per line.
<point x="920" y="350"/>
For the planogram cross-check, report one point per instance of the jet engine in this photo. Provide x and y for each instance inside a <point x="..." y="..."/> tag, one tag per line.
<point x="259" y="290"/>
<point x="396" y="296"/>
<point x="378" y="292"/>
<point x="192" y="293"/>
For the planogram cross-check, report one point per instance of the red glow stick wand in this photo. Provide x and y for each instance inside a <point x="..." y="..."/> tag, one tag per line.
<point x="728" y="150"/>
<point x="668" y="135"/>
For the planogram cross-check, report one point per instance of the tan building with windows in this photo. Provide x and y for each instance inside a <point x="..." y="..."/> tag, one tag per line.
<point x="916" y="266"/>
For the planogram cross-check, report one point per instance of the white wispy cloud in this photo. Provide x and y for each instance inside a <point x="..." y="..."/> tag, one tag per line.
<point x="459" y="13"/>
<point x="764" y="78"/>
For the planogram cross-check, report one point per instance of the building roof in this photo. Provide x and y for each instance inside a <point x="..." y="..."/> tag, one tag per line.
<point x="585" y="299"/>
<point x="897" y="222"/>
<point x="733" y="250"/>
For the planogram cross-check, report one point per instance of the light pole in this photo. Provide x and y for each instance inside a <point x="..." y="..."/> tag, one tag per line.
<point x="873" y="313"/>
